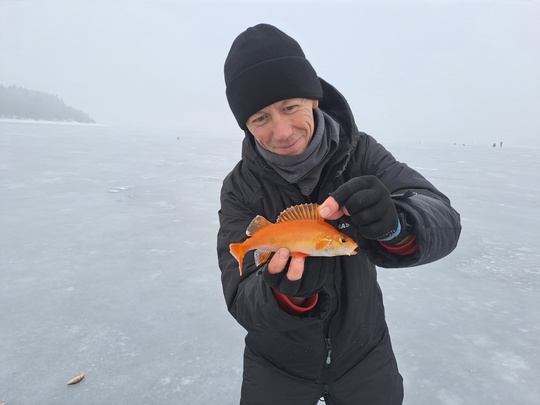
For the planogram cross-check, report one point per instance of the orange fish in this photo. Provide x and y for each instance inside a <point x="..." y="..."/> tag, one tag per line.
<point x="300" y="229"/>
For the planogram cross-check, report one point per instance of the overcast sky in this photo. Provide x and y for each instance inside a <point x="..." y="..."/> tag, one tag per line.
<point x="452" y="71"/>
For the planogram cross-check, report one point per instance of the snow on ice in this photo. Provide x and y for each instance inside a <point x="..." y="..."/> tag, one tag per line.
<point x="108" y="266"/>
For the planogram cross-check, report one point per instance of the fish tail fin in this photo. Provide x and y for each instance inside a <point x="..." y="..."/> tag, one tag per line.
<point x="237" y="251"/>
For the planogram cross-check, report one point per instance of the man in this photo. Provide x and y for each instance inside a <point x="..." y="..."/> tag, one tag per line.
<point x="316" y="326"/>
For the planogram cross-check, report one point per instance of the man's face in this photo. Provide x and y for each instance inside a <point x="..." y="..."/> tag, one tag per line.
<point x="285" y="127"/>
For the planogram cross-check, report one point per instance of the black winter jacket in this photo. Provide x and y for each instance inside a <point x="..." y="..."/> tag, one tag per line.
<point x="341" y="349"/>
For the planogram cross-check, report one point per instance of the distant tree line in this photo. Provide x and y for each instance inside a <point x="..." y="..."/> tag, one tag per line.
<point x="20" y="103"/>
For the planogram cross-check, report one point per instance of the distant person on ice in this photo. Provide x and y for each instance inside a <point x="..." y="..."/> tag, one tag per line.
<point x="316" y="326"/>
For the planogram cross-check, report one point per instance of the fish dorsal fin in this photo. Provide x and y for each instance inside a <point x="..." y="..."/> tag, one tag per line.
<point x="258" y="223"/>
<point x="297" y="212"/>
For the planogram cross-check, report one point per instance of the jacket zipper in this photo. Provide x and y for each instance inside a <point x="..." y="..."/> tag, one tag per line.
<point x="328" y="350"/>
<point x="324" y="393"/>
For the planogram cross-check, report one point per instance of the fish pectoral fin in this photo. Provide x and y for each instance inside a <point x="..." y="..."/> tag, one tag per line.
<point x="261" y="256"/>
<point x="323" y="243"/>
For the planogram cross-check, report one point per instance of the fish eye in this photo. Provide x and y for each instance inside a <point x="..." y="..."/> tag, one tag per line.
<point x="343" y="240"/>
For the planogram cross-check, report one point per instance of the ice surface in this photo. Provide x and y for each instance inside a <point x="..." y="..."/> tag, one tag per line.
<point x="108" y="266"/>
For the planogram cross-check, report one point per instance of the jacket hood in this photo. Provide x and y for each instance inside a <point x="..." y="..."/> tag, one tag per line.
<point x="334" y="104"/>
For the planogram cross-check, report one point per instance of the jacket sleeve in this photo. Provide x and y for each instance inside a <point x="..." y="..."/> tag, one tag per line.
<point x="434" y="221"/>
<point x="249" y="299"/>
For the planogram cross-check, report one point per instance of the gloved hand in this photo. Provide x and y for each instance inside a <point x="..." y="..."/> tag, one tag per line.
<point x="312" y="271"/>
<point x="368" y="202"/>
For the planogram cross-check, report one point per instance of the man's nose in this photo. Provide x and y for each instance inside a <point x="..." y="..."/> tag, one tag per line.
<point x="282" y="128"/>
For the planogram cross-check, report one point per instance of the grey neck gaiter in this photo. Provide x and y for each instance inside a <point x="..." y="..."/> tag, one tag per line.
<point x="305" y="169"/>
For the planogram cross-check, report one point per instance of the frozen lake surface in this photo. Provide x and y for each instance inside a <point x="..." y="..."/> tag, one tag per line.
<point x="108" y="266"/>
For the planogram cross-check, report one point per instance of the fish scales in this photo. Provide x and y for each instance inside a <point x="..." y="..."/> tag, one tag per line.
<point x="300" y="229"/>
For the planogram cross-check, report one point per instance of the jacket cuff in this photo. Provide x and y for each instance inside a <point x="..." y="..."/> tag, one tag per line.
<point x="287" y="305"/>
<point x="404" y="250"/>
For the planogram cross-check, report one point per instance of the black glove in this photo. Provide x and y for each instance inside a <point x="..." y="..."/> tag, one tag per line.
<point x="371" y="208"/>
<point x="312" y="281"/>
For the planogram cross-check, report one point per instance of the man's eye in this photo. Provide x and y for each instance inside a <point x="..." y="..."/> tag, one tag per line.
<point x="258" y="119"/>
<point x="290" y="107"/>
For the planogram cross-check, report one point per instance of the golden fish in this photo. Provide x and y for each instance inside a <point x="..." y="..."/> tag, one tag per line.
<point x="300" y="229"/>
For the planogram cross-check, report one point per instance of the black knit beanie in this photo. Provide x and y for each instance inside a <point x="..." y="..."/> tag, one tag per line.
<point x="264" y="66"/>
